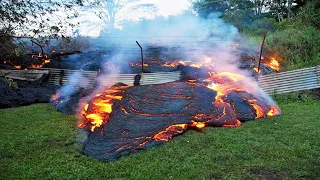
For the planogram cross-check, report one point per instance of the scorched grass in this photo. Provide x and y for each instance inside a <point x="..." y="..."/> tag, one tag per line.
<point x="37" y="142"/>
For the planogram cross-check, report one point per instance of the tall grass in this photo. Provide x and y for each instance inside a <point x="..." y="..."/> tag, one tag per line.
<point x="296" y="48"/>
<point x="295" y="41"/>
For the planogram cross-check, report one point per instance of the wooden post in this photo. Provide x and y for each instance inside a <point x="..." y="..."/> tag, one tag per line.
<point x="141" y="57"/>
<point x="264" y="37"/>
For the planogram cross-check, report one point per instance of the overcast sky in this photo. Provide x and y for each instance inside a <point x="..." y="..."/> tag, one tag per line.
<point x="90" y="22"/>
<point x="170" y="7"/>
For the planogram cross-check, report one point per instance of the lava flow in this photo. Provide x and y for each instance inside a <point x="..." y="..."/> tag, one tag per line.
<point x="230" y="84"/>
<point x="97" y="112"/>
<point x="124" y="119"/>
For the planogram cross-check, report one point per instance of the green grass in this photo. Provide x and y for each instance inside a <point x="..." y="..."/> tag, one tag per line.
<point x="39" y="143"/>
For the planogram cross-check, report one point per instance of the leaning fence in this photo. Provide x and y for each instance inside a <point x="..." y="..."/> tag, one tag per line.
<point x="291" y="81"/>
<point x="277" y="83"/>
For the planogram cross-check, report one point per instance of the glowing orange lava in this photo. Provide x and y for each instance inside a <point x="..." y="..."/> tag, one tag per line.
<point x="274" y="111"/>
<point x="259" y="111"/>
<point x="166" y="134"/>
<point x="98" y="111"/>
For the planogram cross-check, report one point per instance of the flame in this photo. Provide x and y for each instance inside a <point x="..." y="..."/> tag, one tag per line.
<point x="205" y="63"/>
<point x="17" y="67"/>
<point x="256" y="69"/>
<point x="274" y="64"/>
<point x="36" y="66"/>
<point x="222" y="83"/>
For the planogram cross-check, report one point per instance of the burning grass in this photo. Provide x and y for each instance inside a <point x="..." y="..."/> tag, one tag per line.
<point x="38" y="142"/>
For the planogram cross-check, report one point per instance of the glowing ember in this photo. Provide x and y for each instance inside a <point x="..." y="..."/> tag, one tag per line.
<point x="17" y="67"/>
<point x="205" y="63"/>
<point x="274" y="64"/>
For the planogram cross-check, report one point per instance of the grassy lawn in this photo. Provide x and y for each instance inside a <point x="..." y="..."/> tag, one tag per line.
<point x="37" y="142"/>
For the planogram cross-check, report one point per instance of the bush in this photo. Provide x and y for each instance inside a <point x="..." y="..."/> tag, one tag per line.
<point x="7" y="47"/>
<point x="307" y="16"/>
<point x="262" y="26"/>
<point x="297" y="48"/>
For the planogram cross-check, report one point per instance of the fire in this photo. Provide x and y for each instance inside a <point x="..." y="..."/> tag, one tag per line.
<point x="17" y="67"/>
<point x="221" y="83"/>
<point x="97" y="112"/>
<point x="274" y="64"/>
<point x="205" y="63"/>
<point x="224" y="77"/>
<point x="36" y="66"/>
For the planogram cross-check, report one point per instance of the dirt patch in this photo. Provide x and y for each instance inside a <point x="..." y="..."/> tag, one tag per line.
<point x="267" y="173"/>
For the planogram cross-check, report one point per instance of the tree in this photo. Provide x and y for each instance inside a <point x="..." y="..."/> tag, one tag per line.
<point x="205" y="7"/>
<point x="236" y="12"/>
<point x="32" y="18"/>
<point x="112" y="11"/>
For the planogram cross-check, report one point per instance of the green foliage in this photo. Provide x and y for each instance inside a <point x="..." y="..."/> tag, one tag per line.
<point x="10" y="83"/>
<point x="239" y="18"/>
<point x="25" y="16"/>
<point x="37" y="142"/>
<point x="304" y="97"/>
<point x="7" y="47"/>
<point x="261" y="26"/>
<point x="296" y="48"/>
<point x="308" y="15"/>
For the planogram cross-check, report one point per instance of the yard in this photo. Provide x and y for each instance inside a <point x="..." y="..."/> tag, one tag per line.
<point x="37" y="142"/>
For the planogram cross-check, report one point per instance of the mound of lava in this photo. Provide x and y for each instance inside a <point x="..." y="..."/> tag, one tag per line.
<point x="122" y="120"/>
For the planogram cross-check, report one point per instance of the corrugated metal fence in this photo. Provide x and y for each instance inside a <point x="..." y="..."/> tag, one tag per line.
<point x="277" y="83"/>
<point x="291" y="81"/>
<point x="88" y="78"/>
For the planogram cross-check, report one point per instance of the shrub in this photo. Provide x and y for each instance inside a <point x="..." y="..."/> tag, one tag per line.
<point x="297" y="48"/>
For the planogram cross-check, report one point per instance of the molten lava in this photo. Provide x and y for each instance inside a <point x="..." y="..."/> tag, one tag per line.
<point x="224" y="83"/>
<point x="97" y="112"/>
<point x="123" y="120"/>
<point x="206" y="63"/>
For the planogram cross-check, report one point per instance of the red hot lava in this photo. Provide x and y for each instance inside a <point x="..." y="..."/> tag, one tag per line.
<point x="123" y="119"/>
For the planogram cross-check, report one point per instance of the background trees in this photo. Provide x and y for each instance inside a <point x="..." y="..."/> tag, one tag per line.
<point x="32" y="18"/>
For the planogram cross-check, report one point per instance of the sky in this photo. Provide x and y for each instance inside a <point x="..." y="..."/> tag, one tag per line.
<point x="91" y="25"/>
<point x="170" y="7"/>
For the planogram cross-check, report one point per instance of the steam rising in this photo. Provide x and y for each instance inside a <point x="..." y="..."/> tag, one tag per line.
<point x="185" y="36"/>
